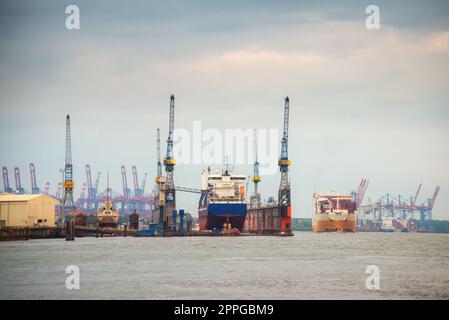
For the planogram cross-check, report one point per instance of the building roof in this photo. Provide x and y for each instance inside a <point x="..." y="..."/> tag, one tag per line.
<point x="8" y="197"/>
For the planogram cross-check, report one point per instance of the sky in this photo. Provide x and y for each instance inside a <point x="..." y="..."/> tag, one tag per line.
<point x="363" y="103"/>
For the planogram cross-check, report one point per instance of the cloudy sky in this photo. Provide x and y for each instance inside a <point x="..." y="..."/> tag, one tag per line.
<point x="364" y="103"/>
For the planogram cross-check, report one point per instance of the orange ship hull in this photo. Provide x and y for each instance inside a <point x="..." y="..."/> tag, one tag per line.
<point x="330" y="225"/>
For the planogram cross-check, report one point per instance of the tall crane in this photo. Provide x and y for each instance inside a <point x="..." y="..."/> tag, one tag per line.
<point x="160" y="196"/>
<point x="126" y="190"/>
<point x="169" y="162"/>
<point x="34" y="188"/>
<point x="255" y="200"/>
<point x="82" y="199"/>
<point x="58" y="191"/>
<point x="144" y="182"/>
<point x="137" y="190"/>
<point x="68" y="202"/>
<point x="47" y="188"/>
<point x="91" y="193"/>
<point x="6" y="186"/>
<point x="360" y="194"/>
<point x="97" y="183"/>
<point x="19" y="188"/>
<point x="284" y="163"/>
<point x="413" y="202"/>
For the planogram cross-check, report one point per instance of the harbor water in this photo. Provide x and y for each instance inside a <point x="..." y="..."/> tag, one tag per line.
<point x="306" y="266"/>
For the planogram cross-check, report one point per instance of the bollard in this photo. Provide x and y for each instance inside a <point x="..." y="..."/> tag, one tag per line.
<point x="70" y="230"/>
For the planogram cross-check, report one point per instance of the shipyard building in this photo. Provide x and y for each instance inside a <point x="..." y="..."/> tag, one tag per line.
<point x="27" y="210"/>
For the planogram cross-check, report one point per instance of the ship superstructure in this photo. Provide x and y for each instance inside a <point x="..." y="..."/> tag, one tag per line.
<point x="223" y="202"/>
<point x="334" y="212"/>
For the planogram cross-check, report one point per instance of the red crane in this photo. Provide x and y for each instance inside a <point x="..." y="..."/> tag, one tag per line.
<point x="435" y="194"/>
<point x="361" y="192"/>
<point x="416" y="195"/>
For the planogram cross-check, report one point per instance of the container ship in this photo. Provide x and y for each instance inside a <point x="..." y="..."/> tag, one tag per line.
<point x="222" y="203"/>
<point x="334" y="212"/>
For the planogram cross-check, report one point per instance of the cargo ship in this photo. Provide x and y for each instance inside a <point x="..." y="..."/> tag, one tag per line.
<point x="222" y="204"/>
<point x="334" y="212"/>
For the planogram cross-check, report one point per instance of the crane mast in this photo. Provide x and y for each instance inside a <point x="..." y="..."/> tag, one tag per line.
<point x="135" y="181"/>
<point x="284" y="163"/>
<point x="255" y="199"/>
<point x="19" y="188"/>
<point x="6" y="186"/>
<point x="169" y="162"/>
<point x="159" y="163"/>
<point x="34" y="188"/>
<point x="68" y="203"/>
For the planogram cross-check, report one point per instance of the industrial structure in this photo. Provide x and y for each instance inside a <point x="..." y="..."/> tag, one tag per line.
<point x="272" y="217"/>
<point x="255" y="199"/>
<point x="169" y="162"/>
<point x="397" y="213"/>
<point x="27" y="210"/>
<point x="68" y="202"/>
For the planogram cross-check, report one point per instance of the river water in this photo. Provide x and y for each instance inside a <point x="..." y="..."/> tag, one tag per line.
<point x="306" y="266"/>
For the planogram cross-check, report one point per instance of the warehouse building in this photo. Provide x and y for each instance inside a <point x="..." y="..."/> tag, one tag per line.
<point x="27" y="210"/>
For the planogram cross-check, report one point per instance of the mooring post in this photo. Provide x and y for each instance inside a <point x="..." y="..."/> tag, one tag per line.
<point x="70" y="230"/>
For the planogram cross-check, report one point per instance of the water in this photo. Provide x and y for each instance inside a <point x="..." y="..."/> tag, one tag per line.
<point x="306" y="266"/>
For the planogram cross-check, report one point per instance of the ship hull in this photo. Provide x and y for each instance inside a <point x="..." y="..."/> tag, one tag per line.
<point x="269" y="220"/>
<point x="328" y="223"/>
<point x="215" y="215"/>
<point x="108" y="222"/>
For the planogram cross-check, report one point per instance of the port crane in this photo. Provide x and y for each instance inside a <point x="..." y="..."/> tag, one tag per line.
<point x="284" y="163"/>
<point x="19" y="188"/>
<point x="169" y="162"/>
<point x="68" y="203"/>
<point x="34" y="188"/>
<point x="255" y="199"/>
<point x="58" y="192"/>
<point x="144" y="182"/>
<point x="126" y="191"/>
<point x="6" y="186"/>
<point x="47" y="188"/>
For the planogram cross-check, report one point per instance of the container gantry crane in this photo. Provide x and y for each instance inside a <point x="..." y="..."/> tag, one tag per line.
<point x="34" y="188"/>
<point x="126" y="191"/>
<point x="19" y="188"/>
<point x="47" y="188"/>
<point x="6" y="187"/>
<point x="144" y="182"/>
